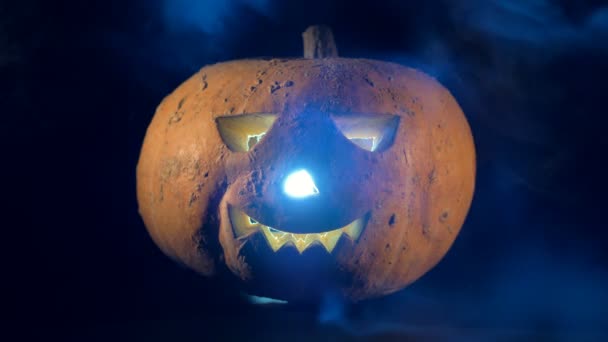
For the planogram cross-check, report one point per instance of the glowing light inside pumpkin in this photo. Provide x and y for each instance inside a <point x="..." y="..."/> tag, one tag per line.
<point x="370" y="132"/>
<point x="241" y="133"/>
<point x="368" y="143"/>
<point x="252" y="140"/>
<point x="243" y="226"/>
<point x="300" y="184"/>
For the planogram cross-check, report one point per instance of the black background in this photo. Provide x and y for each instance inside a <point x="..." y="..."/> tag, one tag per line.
<point x="81" y="80"/>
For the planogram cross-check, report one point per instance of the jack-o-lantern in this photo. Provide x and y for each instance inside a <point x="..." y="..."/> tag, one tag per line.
<point x="300" y="176"/>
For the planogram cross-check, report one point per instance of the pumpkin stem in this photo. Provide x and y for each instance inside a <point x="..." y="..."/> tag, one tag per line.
<point x="319" y="42"/>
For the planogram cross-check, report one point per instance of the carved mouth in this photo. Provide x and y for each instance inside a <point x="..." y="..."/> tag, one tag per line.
<point x="243" y="226"/>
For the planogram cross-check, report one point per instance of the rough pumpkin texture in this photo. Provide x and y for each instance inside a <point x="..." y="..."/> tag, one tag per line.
<point x="415" y="194"/>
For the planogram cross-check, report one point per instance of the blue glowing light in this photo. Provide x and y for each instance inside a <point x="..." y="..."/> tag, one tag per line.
<point x="300" y="184"/>
<point x="264" y="300"/>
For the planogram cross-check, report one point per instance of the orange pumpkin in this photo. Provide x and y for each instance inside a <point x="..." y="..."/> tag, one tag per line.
<point x="299" y="176"/>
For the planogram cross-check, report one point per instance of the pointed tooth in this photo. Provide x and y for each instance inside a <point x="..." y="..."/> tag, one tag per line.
<point x="270" y="239"/>
<point x="275" y="240"/>
<point x="278" y="239"/>
<point x="275" y="246"/>
<point x="330" y="239"/>
<point x="354" y="229"/>
<point x="303" y="241"/>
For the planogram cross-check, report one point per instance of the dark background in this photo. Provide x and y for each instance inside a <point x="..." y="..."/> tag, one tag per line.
<point x="80" y="81"/>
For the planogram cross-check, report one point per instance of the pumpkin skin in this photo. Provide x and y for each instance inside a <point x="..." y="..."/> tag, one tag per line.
<point x="414" y="195"/>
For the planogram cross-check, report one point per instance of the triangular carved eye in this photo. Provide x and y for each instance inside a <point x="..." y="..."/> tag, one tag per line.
<point x="241" y="132"/>
<point x="371" y="132"/>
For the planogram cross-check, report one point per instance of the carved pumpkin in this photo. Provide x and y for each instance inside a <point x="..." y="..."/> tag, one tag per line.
<point x="299" y="176"/>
